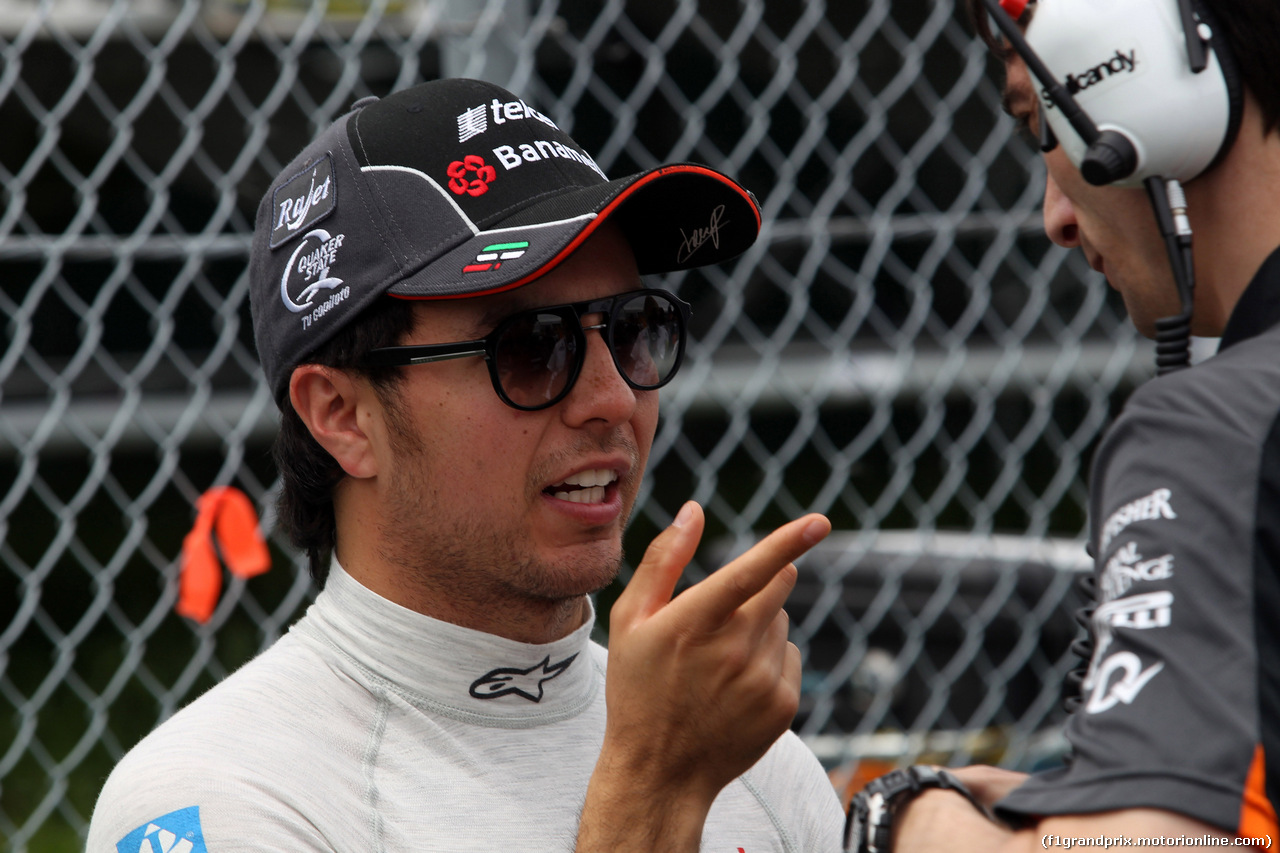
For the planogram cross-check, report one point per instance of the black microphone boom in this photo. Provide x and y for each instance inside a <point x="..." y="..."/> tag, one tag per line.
<point x="1109" y="156"/>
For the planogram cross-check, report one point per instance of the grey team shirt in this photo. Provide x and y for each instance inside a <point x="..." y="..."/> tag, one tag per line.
<point x="1180" y="701"/>
<point x="369" y="727"/>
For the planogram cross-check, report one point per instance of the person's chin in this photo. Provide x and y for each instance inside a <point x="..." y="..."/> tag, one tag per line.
<point x="576" y="573"/>
<point x="584" y="553"/>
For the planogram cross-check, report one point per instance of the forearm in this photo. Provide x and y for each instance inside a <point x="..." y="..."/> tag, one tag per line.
<point x="944" y="822"/>
<point x="939" y="821"/>
<point x="625" y="810"/>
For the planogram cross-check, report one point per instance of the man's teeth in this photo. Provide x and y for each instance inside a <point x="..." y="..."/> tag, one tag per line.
<point x="593" y="495"/>
<point x="594" y="477"/>
<point x="590" y="486"/>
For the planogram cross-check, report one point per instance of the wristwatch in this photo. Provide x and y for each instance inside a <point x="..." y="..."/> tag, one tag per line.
<point x="868" y="826"/>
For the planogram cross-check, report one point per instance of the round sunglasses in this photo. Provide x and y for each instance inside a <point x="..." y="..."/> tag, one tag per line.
<point x="535" y="356"/>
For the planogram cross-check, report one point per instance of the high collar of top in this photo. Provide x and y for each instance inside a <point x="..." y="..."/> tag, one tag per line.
<point x="447" y="669"/>
<point x="1259" y="305"/>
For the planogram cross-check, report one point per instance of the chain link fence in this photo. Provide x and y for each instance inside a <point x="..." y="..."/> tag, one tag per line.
<point x="902" y="349"/>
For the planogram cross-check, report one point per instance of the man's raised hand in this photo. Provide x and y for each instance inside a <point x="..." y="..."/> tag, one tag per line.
<point x="699" y="686"/>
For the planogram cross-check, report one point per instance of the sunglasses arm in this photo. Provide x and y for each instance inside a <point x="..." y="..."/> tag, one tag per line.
<point x="425" y="354"/>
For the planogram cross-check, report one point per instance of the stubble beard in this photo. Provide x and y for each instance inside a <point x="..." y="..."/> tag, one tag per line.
<point x="471" y="562"/>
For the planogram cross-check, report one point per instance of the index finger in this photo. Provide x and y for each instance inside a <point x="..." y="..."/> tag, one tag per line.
<point x="727" y="589"/>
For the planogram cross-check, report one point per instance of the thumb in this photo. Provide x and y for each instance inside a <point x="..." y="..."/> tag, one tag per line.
<point x="655" y="579"/>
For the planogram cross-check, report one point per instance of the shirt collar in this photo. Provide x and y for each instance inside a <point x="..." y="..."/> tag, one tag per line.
<point x="1259" y="305"/>
<point x="452" y="670"/>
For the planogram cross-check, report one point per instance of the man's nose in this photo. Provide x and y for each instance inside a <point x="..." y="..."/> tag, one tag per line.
<point x="600" y="394"/>
<point x="1060" y="216"/>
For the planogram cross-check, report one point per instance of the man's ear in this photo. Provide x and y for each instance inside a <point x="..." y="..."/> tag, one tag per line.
<point x="328" y="401"/>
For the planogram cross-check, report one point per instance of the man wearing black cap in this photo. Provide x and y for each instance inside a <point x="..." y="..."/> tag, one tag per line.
<point x="448" y="307"/>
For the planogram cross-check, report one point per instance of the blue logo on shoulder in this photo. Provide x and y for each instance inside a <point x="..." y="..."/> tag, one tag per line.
<point x="176" y="832"/>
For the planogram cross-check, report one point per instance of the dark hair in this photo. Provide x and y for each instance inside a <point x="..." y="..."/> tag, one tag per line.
<point x="1251" y="29"/>
<point x="981" y="22"/>
<point x="308" y="473"/>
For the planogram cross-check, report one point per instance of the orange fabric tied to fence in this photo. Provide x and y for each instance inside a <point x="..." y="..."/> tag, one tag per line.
<point x="224" y="512"/>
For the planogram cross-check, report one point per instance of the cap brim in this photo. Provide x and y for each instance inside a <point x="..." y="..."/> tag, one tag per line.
<point x="675" y="217"/>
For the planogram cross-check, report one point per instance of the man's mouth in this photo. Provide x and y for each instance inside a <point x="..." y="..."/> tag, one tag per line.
<point x="585" y="486"/>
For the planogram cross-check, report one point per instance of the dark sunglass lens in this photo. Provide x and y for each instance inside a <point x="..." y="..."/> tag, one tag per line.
<point x="534" y="358"/>
<point x="1048" y="141"/>
<point x="646" y="339"/>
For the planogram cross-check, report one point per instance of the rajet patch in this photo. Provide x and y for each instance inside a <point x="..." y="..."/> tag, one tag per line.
<point x="303" y="200"/>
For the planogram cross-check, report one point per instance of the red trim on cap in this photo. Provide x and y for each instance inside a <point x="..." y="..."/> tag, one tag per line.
<point x="595" y="223"/>
<point x="1015" y="8"/>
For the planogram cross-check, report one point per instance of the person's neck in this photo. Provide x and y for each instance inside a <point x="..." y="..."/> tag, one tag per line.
<point x="494" y="611"/>
<point x="1235" y="213"/>
<point x="524" y="621"/>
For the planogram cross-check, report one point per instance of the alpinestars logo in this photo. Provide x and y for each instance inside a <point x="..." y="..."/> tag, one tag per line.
<point x="492" y="257"/>
<point x="176" y="832"/>
<point x="460" y="176"/>
<point x="507" y="681"/>
<point x="308" y="197"/>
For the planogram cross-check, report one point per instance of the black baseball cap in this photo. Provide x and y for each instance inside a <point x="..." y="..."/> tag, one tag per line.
<point x="457" y="188"/>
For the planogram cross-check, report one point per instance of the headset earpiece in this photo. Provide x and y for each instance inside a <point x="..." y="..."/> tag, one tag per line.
<point x="1128" y="66"/>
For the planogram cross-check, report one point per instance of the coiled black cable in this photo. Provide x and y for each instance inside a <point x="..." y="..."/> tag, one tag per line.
<point x="1173" y="334"/>
<point x="1082" y="647"/>
<point x="1173" y="343"/>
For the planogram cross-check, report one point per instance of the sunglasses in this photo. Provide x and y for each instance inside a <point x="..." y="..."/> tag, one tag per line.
<point x="535" y="356"/>
<point x="1048" y="141"/>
